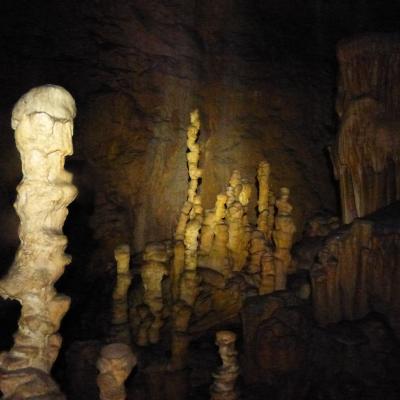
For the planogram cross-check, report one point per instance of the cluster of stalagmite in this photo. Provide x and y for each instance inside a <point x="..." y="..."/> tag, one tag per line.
<point x="216" y="256"/>
<point x="366" y="154"/>
<point x="357" y="272"/>
<point x="120" y="321"/>
<point x="43" y="124"/>
<point x="115" y="364"/>
<point x="223" y="387"/>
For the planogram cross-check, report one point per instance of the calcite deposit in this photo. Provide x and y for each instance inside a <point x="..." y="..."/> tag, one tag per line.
<point x="357" y="272"/>
<point x="120" y="320"/>
<point x="366" y="152"/>
<point x="223" y="387"/>
<point x="216" y="260"/>
<point x="43" y="124"/>
<point x="115" y="364"/>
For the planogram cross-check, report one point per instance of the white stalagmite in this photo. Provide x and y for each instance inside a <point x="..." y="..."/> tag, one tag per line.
<point x="43" y="124"/>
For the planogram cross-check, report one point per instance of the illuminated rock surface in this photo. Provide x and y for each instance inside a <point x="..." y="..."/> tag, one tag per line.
<point x="43" y="124"/>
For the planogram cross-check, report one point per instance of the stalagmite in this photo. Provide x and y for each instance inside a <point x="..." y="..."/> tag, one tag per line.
<point x="185" y="280"/>
<point x="115" y="364"/>
<point x="283" y="238"/>
<point x="153" y="271"/>
<point x="365" y="155"/>
<point x="193" y="155"/>
<point x="43" y="124"/>
<point x="268" y="273"/>
<point x="257" y="248"/>
<point x="223" y="387"/>
<point x="263" y="196"/>
<point x="120" y="324"/>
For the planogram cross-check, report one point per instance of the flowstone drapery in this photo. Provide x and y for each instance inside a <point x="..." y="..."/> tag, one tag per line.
<point x="366" y="154"/>
<point x="43" y="124"/>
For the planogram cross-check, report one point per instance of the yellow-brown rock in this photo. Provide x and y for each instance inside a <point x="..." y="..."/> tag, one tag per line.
<point x="115" y="364"/>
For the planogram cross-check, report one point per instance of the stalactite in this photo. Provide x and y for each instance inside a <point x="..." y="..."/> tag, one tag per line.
<point x="43" y="124"/>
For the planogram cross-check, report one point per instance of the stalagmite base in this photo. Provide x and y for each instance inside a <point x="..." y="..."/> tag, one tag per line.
<point x="115" y="364"/>
<point x="223" y="387"/>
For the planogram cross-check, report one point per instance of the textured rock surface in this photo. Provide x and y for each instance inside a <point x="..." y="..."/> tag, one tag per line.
<point x="366" y="155"/>
<point x="358" y="270"/>
<point x="138" y="70"/>
<point x="43" y="124"/>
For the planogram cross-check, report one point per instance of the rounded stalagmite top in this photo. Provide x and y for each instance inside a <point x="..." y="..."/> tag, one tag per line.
<point x="50" y="99"/>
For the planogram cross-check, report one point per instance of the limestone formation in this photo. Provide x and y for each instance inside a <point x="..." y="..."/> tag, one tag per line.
<point x="283" y="238"/>
<point x="153" y="270"/>
<point x="120" y="323"/>
<point x="357" y="271"/>
<point x="223" y="387"/>
<point x="263" y="197"/>
<point x="365" y="155"/>
<point x="193" y="155"/>
<point x="115" y="364"/>
<point x="43" y="124"/>
<point x="185" y="280"/>
<point x="268" y="273"/>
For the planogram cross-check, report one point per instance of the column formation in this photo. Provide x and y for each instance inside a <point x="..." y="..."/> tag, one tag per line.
<point x="43" y="124"/>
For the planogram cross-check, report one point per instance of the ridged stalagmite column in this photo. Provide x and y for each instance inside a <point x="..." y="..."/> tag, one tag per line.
<point x="223" y="387"/>
<point x="43" y="124"/>
<point x="366" y="155"/>
<point x="184" y="279"/>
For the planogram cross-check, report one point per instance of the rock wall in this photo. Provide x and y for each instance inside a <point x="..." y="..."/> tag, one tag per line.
<point x="137" y="70"/>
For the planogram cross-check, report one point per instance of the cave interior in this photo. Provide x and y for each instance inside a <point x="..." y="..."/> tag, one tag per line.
<point x="227" y="224"/>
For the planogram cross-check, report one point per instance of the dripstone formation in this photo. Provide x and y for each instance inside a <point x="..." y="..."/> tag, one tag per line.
<point x="366" y="154"/>
<point x="43" y="124"/>
<point x="216" y="260"/>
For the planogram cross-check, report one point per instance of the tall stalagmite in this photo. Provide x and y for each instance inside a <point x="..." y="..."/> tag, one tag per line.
<point x="43" y="124"/>
<point x="366" y="155"/>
